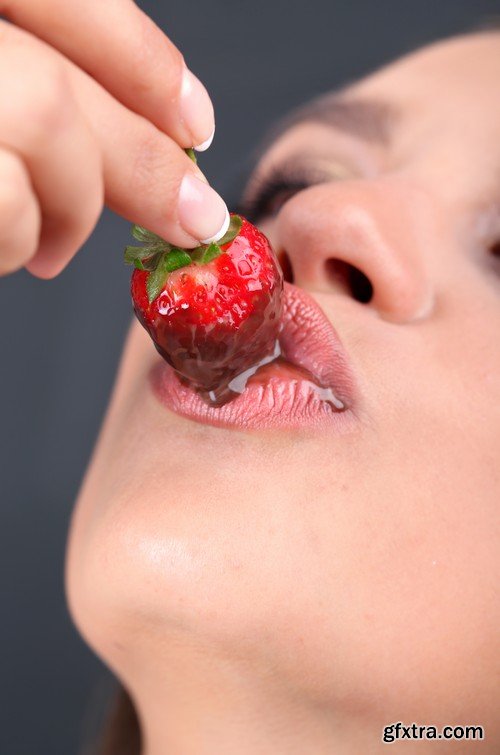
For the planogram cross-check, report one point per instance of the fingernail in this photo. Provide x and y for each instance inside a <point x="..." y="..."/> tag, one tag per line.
<point x="202" y="212"/>
<point x="221" y="232"/>
<point x="196" y="111"/>
<point x="206" y="144"/>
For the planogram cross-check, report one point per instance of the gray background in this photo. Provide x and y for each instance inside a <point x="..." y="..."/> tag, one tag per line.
<point x="60" y="340"/>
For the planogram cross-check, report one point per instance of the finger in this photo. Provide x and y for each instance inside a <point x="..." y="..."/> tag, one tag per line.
<point x="43" y="126"/>
<point x="20" y="217"/>
<point x="148" y="178"/>
<point x="121" y="47"/>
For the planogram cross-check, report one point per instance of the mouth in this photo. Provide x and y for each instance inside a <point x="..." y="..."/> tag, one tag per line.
<point x="307" y="382"/>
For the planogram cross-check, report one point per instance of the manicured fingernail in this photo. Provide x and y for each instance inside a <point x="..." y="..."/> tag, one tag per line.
<point x="221" y="232"/>
<point x="202" y="212"/>
<point x="206" y="144"/>
<point x="196" y="111"/>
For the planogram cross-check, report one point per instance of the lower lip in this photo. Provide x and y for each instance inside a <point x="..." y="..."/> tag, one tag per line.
<point x="277" y="396"/>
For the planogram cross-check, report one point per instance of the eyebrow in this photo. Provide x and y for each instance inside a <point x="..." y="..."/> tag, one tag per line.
<point x="370" y="120"/>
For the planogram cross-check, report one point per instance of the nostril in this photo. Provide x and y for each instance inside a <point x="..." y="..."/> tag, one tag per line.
<point x="361" y="288"/>
<point x="352" y="280"/>
<point x="286" y="266"/>
<point x="495" y="249"/>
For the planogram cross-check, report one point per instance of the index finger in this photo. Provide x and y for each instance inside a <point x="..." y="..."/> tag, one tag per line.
<point x="123" y="49"/>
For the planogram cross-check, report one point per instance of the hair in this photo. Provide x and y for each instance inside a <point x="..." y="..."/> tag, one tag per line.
<point x="121" y="732"/>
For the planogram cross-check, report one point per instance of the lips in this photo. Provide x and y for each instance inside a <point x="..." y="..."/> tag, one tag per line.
<point x="309" y="341"/>
<point x="310" y="383"/>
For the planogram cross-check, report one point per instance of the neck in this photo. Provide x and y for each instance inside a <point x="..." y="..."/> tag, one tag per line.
<point x="216" y="706"/>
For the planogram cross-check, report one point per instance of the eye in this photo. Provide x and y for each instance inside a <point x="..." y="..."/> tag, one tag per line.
<point x="268" y="194"/>
<point x="279" y="193"/>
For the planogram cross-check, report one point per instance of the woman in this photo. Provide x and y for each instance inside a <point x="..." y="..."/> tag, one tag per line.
<point x="294" y="587"/>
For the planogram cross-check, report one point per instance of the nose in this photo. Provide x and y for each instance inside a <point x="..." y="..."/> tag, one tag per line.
<point x="368" y="239"/>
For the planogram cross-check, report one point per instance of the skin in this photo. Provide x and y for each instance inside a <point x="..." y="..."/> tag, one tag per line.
<point x="85" y="122"/>
<point x="278" y="592"/>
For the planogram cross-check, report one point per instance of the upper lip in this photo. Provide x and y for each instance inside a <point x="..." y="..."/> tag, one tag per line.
<point x="309" y="341"/>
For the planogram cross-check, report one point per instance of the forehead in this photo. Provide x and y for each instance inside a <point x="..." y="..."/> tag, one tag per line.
<point x="441" y="101"/>
<point x="448" y="89"/>
<point x="462" y="67"/>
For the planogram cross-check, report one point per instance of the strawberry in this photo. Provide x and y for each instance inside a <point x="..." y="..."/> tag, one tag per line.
<point x="213" y="312"/>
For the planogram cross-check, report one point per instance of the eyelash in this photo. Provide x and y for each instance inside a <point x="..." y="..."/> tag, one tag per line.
<point x="270" y="193"/>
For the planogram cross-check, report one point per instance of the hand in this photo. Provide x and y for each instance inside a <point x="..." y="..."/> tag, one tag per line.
<point x="97" y="105"/>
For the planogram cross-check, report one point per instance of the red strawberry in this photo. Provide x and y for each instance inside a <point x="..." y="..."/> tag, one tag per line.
<point x="212" y="312"/>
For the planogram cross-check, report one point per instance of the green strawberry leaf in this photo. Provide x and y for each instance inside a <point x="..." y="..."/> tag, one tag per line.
<point x="133" y="253"/>
<point x="151" y="262"/>
<point x="155" y="282"/>
<point x="205" y="253"/>
<point x="234" y="228"/>
<point x="212" y="251"/>
<point x="147" y="237"/>
<point x="167" y="262"/>
<point x="177" y="258"/>
<point x="197" y="253"/>
<point x="143" y="257"/>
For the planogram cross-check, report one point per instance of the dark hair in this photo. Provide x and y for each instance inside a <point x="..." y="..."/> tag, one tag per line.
<point x="121" y="733"/>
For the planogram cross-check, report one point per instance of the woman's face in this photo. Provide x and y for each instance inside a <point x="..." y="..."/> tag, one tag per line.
<point x="356" y="571"/>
